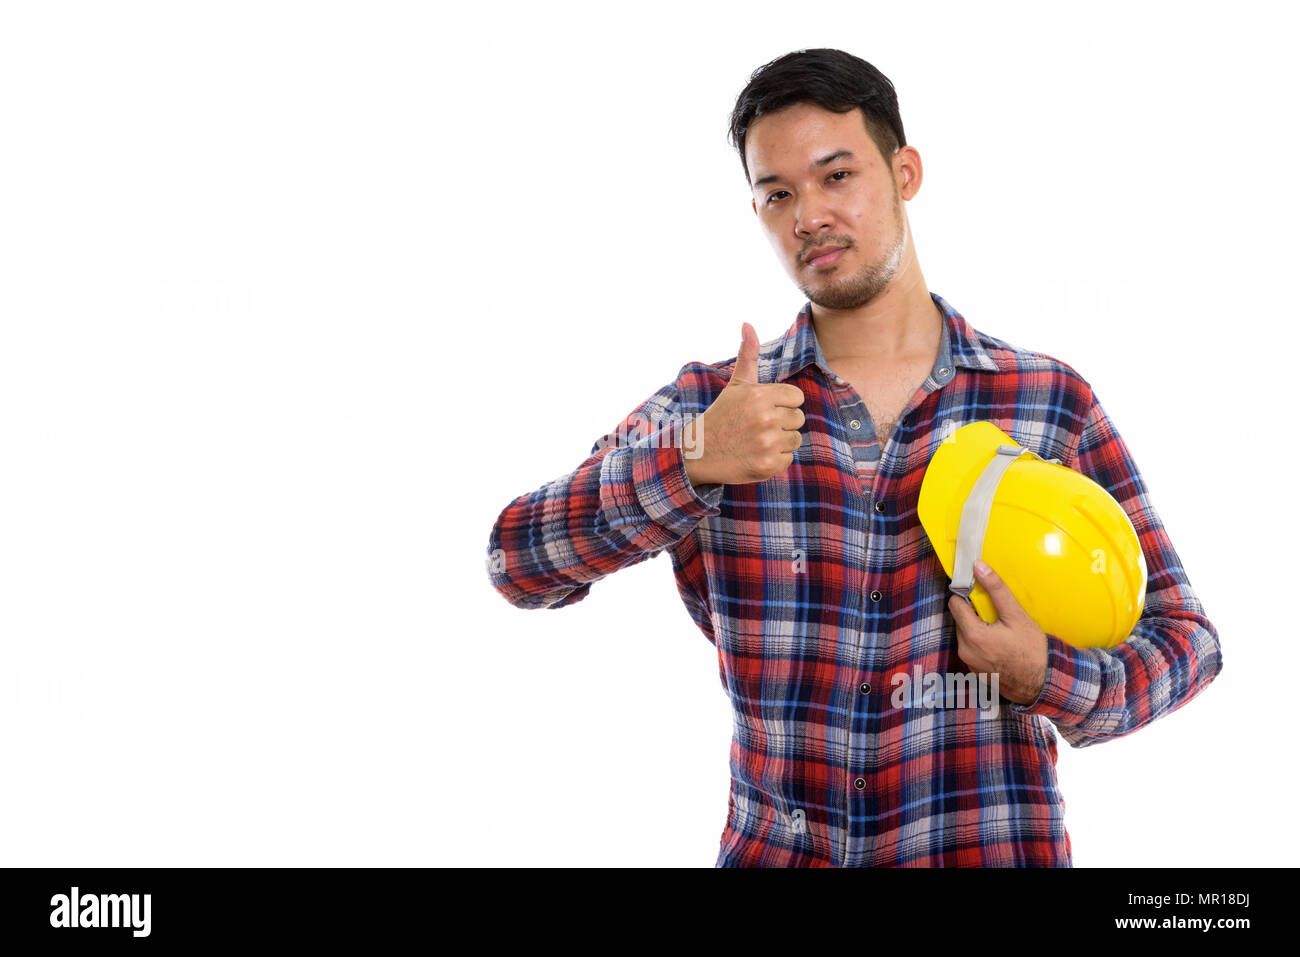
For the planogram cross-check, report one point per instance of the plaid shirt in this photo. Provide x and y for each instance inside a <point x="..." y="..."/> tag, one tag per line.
<point x="820" y="590"/>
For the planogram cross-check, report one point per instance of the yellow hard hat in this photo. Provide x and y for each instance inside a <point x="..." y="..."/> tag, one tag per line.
<point x="1063" y="546"/>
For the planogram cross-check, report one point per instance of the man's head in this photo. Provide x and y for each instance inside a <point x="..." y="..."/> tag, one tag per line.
<point x="822" y="146"/>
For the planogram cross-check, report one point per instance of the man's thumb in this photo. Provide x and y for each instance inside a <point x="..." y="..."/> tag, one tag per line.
<point x="747" y="359"/>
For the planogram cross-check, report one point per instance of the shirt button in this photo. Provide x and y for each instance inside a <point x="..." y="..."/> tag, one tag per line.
<point x="880" y="506"/>
<point x="944" y="371"/>
<point x="859" y="783"/>
<point x="864" y="688"/>
<point x="875" y="595"/>
<point x="855" y="425"/>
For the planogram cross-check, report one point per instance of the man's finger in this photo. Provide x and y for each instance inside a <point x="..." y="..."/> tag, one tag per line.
<point x="963" y="614"/>
<point x="969" y="630"/>
<point x="746" y="370"/>
<point x="792" y="419"/>
<point x="1004" y="603"/>
<point x="787" y="395"/>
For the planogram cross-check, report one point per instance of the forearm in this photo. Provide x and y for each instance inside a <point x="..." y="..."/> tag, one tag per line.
<point x="1094" y="694"/>
<point x="1172" y="653"/>
<point x="621" y="506"/>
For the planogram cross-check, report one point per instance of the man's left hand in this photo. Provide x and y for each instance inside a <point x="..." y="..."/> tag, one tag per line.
<point x="1013" y="647"/>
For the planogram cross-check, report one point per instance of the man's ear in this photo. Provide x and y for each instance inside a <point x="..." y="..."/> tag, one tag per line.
<point x="909" y="172"/>
<point x="754" y="205"/>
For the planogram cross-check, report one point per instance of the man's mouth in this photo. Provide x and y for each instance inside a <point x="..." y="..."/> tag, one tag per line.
<point x="825" y="256"/>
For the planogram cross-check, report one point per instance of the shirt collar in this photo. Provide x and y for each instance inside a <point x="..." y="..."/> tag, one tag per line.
<point x="961" y="346"/>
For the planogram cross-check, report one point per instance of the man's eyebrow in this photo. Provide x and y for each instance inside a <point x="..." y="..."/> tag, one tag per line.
<point x="825" y="160"/>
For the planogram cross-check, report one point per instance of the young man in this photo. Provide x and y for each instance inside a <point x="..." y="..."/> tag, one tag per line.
<point x="784" y="483"/>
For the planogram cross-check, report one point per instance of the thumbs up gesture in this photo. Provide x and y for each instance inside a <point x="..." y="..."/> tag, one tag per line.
<point x="751" y="431"/>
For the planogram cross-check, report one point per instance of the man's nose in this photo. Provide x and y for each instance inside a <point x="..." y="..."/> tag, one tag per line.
<point x="811" y="216"/>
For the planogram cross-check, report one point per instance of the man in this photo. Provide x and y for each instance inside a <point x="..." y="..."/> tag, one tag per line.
<point x="784" y="483"/>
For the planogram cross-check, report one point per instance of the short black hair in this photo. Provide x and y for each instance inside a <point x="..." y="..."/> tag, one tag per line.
<point x="833" y="80"/>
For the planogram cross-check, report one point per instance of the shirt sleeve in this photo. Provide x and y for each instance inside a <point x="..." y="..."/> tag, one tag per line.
<point x="628" y="501"/>
<point x="1093" y="694"/>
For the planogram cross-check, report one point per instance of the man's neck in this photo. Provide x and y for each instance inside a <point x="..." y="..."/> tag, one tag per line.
<point x="898" y="325"/>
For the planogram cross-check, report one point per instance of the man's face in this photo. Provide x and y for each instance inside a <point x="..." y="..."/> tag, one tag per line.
<point x="820" y="182"/>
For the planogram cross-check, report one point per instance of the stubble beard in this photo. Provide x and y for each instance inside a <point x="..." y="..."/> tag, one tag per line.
<point x="852" y="292"/>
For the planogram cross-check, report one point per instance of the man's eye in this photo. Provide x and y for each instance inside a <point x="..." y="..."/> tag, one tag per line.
<point x="842" y="172"/>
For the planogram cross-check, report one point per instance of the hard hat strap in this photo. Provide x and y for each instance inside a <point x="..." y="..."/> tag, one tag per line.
<point x="975" y="517"/>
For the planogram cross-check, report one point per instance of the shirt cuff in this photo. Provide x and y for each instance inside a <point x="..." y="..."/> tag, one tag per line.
<point x="664" y="489"/>
<point x="1072" y="686"/>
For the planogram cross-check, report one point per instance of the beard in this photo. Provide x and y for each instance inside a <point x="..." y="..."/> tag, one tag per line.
<point x="858" y="289"/>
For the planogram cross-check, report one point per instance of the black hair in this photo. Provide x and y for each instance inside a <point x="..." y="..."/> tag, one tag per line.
<point x="833" y="80"/>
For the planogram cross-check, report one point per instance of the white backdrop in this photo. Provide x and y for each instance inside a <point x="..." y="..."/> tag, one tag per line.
<point x="296" y="297"/>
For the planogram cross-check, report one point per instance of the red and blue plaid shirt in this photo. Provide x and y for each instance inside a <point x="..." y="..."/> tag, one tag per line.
<point x="819" y="589"/>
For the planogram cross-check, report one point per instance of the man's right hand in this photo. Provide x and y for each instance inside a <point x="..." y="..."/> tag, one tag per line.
<point x="751" y="431"/>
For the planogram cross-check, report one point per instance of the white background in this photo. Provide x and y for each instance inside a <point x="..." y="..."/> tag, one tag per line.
<point x="296" y="297"/>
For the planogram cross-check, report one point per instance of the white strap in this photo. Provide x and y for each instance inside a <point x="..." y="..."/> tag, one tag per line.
<point x="975" y="518"/>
